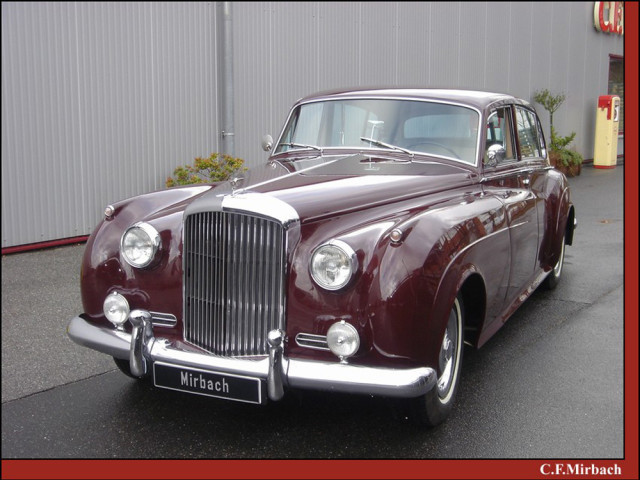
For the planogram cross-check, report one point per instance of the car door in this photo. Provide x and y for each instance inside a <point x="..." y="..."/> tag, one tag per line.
<point x="508" y="178"/>
<point x="534" y="165"/>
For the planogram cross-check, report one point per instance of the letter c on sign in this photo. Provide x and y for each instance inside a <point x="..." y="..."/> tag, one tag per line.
<point x="613" y="22"/>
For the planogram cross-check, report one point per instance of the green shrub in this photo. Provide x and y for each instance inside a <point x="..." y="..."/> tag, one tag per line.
<point x="560" y="151"/>
<point x="216" y="168"/>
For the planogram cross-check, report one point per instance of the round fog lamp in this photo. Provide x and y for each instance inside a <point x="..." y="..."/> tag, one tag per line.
<point x="343" y="340"/>
<point x="116" y="309"/>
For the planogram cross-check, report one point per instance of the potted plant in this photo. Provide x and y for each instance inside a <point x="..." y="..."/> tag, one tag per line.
<point x="565" y="159"/>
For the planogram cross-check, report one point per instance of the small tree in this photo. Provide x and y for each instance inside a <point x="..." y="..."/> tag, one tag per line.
<point x="216" y="168"/>
<point x="559" y="152"/>
<point x="550" y="103"/>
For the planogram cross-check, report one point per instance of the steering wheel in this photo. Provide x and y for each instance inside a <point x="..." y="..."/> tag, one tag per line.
<point x="444" y="147"/>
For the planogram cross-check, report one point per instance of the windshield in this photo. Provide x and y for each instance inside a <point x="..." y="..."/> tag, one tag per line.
<point x="437" y="129"/>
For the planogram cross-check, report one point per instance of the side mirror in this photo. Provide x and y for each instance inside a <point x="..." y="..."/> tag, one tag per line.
<point x="494" y="155"/>
<point x="267" y="143"/>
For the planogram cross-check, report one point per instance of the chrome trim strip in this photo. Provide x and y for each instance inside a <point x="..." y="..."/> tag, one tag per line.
<point x="517" y="172"/>
<point x="316" y="375"/>
<point x="159" y="319"/>
<point x="261" y="204"/>
<point x="315" y="342"/>
<point x="519" y="224"/>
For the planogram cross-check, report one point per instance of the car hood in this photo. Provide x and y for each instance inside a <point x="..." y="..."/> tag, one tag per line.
<point x="324" y="186"/>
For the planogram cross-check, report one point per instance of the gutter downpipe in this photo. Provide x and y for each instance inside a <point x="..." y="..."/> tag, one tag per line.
<point x="225" y="78"/>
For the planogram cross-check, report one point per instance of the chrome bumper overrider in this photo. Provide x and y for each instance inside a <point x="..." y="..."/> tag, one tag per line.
<point x="142" y="349"/>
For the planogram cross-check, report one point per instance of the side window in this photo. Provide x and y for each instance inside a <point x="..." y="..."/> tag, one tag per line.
<point x="500" y="132"/>
<point x="531" y="144"/>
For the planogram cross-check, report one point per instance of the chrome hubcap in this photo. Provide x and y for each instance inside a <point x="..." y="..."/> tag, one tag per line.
<point x="449" y="353"/>
<point x="557" y="270"/>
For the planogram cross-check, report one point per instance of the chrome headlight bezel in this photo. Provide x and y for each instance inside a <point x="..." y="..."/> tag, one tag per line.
<point x="148" y="239"/>
<point x="346" y="268"/>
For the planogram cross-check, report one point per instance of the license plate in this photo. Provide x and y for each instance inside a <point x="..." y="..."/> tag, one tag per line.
<point x="204" y="382"/>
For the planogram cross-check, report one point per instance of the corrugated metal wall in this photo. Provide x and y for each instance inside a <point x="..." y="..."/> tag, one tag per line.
<point x="101" y="101"/>
<point x="286" y="50"/>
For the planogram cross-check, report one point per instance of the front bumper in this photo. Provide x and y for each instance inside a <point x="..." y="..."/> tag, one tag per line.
<point x="143" y="349"/>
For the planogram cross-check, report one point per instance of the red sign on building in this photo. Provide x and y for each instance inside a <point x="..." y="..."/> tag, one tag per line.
<point x="609" y="17"/>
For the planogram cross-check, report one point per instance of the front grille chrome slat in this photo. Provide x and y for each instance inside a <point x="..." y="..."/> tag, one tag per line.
<point x="234" y="274"/>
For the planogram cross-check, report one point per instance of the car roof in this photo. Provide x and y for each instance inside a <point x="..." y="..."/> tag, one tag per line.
<point x="475" y="98"/>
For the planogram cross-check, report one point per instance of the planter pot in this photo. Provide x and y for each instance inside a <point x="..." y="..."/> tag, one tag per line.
<point x="572" y="170"/>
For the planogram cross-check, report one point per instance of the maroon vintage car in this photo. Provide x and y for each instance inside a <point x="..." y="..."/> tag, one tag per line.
<point x="388" y="228"/>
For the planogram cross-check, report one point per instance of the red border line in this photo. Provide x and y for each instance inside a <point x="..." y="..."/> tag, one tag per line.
<point x="39" y="246"/>
<point x="410" y="469"/>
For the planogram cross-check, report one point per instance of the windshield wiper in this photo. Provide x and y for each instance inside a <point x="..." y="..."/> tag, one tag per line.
<point x="386" y="145"/>
<point x="302" y="145"/>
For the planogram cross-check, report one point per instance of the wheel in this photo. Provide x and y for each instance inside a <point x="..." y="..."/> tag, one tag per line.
<point x="123" y="366"/>
<point x="433" y="408"/>
<point x="553" y="278"/>
<point x="443" y="147"/>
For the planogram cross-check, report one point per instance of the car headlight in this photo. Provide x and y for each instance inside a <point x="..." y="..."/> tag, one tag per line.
<point x="139" y="244"/>
<point x="333" y="264"/>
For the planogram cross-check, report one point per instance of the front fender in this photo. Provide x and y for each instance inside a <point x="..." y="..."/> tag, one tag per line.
<point x="103" y="271"/>
<point x="419" y="279"/>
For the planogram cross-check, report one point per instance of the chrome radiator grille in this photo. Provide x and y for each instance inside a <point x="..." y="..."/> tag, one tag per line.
<point x="234" y="272"/>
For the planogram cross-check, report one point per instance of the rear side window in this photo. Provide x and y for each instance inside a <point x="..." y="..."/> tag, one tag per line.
<point x="529" y="134"/>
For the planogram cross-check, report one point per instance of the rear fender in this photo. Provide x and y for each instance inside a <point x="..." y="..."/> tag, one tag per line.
<point x="559" y="219"/>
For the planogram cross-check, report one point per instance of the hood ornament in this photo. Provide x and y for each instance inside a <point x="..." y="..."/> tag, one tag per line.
<point x="235" y="181"/>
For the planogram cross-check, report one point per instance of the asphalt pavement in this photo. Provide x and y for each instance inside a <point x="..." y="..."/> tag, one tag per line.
<point x="550" y="383"/>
